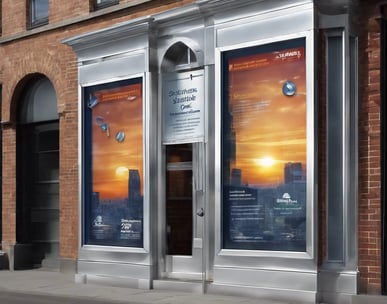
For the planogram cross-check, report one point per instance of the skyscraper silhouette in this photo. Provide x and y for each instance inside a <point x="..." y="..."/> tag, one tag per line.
<point x="134" y="184"/>
<point x="293" y="172"/>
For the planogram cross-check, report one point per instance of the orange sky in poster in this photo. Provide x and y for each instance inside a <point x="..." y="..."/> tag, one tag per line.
<point x="270" y="127"/>
<point x="121" y="110"/>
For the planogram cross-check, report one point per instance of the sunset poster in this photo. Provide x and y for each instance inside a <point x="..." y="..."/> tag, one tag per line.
<point x="264" y="147"/>
<point x="114" y="136"/>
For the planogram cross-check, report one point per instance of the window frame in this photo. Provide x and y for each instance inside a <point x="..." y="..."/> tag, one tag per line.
<point x="33" y="20"/>
<point x="87" y="159"/>
<point x="230" y="202"/>
<point x="311" y="245"/>
<point x="101" y="4"/>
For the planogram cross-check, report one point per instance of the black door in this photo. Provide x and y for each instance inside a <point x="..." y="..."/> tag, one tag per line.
<point x="37" y="227"/>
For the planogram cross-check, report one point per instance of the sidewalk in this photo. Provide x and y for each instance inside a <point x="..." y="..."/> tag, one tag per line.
<point x="58" y="284"/>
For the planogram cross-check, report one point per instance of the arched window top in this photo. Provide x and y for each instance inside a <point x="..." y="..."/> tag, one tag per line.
<point x="39" y="102"/>
<point x="179" y="57"/>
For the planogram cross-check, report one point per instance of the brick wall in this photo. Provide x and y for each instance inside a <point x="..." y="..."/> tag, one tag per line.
<point x="369" y="152"/>
<point x="9" y="188"/>
<point x="14" y="17"/>
<point x="62" y="10"/>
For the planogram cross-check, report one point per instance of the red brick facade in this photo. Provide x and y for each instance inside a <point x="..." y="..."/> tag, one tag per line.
<point x="369" y="212"/>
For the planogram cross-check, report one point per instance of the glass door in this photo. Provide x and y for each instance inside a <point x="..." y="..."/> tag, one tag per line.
<point x="184" y="213"/>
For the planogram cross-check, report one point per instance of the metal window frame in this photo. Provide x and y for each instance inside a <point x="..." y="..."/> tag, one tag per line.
<point x="100" y="4"/>
<point x="310" y="252"/>
<point x="86" y="248"/>
<point x="340" y="27"/>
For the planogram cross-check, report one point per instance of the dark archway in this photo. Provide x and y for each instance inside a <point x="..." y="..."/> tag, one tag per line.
<point x="37" y="175"/>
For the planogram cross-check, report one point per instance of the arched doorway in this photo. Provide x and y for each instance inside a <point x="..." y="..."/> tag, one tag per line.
<point x="37" y="176"/>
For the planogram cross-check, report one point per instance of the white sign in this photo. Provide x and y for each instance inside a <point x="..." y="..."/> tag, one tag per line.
<point x="183" y="105"/>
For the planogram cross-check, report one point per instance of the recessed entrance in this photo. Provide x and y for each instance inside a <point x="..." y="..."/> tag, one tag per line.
<point x="179" y="199"/>
<point x="184" y="213"/>
<point x="182" y="206"/>
<point x="37" y="201"/>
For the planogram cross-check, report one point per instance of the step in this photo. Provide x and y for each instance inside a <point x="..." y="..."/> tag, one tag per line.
<point x="178" y="285"/>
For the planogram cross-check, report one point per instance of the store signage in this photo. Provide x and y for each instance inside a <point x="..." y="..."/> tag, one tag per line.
<point x="183" y="107"/>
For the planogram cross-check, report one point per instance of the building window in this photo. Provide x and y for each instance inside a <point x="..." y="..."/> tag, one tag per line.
<point x="38" y="13"/>
<point x="341" y="146"/>
<point x="264" y="147"/>
<point x="113" y="164"/>
<point x="99" y="4"/>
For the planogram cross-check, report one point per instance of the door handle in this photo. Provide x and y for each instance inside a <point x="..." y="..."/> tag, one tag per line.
<point x="200" y="212"/>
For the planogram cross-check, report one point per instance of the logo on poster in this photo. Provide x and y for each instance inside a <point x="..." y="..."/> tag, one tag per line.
<point x="286" y="199"/>
<point x="289" y="54"/>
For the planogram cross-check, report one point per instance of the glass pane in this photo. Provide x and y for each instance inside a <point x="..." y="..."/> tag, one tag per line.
<point x="48" y="166"/>
<point x="179" y="212"/>
<point x="40" y="103"/>
<point x="179" y="153"/>
<point x="39" y="11"/>
<point x="264" y="147"/>
<point x="335" y="149"/>
<point x="105" y="3"/>
<point x="49" y="141"/>
<point x="114" y="164"/>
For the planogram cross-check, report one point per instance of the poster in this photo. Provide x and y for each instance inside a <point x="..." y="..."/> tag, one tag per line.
<point x="264" y="147"/>
<point x="183" y="107"/>
<point x="114" y="161"/>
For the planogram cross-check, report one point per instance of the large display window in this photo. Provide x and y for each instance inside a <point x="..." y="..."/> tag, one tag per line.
<point x="113" y="163"/>
<point x="264" y="147"/>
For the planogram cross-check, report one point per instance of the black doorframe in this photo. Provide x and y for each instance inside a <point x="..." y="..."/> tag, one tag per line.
<point x="383" y="86"/>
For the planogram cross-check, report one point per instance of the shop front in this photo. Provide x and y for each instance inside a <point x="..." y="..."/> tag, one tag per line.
<point x="198" y="135"/>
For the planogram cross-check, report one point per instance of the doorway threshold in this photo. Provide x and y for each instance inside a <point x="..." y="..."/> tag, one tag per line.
<point x="183" y="285"/>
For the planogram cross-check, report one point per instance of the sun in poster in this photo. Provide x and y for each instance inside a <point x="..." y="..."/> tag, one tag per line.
<point x="267" y="103"/>
<point x="117" y="139"/>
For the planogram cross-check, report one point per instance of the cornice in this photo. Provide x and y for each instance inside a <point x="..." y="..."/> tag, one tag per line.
<point x="109" y="35"/>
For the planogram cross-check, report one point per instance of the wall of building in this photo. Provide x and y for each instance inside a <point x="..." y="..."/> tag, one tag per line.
<point x="369" y="216"/>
